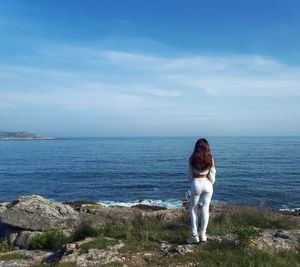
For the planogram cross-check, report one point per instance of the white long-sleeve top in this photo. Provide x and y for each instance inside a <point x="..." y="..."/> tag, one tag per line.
<point x="210" y="173"/>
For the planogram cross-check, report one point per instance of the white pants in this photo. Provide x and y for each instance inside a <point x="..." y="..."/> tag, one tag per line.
<point x="201" y="189"/>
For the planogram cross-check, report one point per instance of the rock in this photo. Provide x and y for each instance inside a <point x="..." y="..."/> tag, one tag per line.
<point x="12" y="237"/>
<point x="226" y="239"/>
<point x="277" y="239"/>
<point x="66" y="250"/>
<point x="295" y="212"/>
<point x="2" y="208"/>
<point x="107" y="214"/>
<point x="24" y="238"/>
<point x="95" y="257"/>
<point x="79" y="203"/>
<point x="282" y="234"/>
<point x="15" y="263"/>
<point x="172" y="249"/>
<point x="148" y="207"/>
<point x="34" y="257"/>
<point x="57" y="255"/>
<point x="36" y="213"/>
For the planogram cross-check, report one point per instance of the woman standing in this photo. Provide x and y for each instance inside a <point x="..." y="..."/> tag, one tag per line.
<point x="202" y="173"/>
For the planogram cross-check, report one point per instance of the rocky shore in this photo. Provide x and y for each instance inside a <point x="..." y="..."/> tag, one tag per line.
<point x="6" y="136"/>
<point x="35" y="231"/>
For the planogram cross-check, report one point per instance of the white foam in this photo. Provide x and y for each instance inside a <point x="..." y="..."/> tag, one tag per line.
<point x="287" y="209"/>
<point x="170" y="204"/>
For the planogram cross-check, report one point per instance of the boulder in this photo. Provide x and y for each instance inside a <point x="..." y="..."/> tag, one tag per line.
<point x="102" y="214"/>
<point x="36" y="213"/>
<point x="7" y="232"/>
<point x="15" y="263"/>
<point x="173" y="249"/>
<point x="2" y="208"/>
<point x="33" y="258"/>
<point x="279" y="239"/>
<point x="230" y="239"/>
<point x="94" y="257"/>
<point x="24" y="238"/>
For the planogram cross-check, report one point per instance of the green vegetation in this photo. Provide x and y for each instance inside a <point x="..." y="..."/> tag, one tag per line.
<point x="228" y="256"/>
<point x="145" y="232"/>
<point x="99" y="243"/>
<point x="147" y="228"/>
<point x="132" y="246"/>
<point x="226" y="223"/>
<point x="85" y="229"/>
<point x="5" y="246"/>
<point x="119" y="230"/>
<point x="51" y="239"/>
<point x="13" y="256"/>
<point x="246" y="234"/>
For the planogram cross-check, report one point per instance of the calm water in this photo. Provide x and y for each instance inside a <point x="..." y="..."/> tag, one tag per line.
<point x="261" y="171"/>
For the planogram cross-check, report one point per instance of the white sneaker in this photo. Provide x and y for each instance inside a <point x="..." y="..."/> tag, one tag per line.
<point x="194" y="239"/>
<point x="203" y="238"/>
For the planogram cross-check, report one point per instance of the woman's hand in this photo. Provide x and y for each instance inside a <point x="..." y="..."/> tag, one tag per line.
<point x="212" y="162"/>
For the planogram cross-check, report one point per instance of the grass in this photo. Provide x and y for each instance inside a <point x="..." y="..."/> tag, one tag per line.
<point x="229" y="256"/>
<point x="225" y="223"/>
<point x="146" y="231"/>
<point x="99" y="243"/>
<point x="133" y="246"/>
<point x="13" y="256"/>
<point x="5" y="246"/>
<point x="54" y="239"/>
<point x="148" y="228"/>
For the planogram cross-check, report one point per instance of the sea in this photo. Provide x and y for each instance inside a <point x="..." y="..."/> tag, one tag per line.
<point x="257" y="171"/>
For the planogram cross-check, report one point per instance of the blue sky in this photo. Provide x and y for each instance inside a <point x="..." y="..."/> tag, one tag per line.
<point x="144" y="68"/>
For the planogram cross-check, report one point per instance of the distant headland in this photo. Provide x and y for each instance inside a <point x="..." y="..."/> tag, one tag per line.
<point x="22" y="136"/>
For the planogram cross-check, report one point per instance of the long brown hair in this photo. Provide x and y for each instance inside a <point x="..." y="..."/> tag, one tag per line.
<point x="201" y="158"/>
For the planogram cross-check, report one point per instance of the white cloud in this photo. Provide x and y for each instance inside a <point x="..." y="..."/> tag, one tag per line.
<point x="226" y="75"/>
<point x="84" y="78"/>
<point x="231" y="75"/>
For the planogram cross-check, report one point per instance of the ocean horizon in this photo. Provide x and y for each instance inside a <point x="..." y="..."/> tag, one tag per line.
<point x="260" y="171"/>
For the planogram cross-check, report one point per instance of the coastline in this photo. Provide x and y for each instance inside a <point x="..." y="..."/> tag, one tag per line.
<point x="26" y="139"/>
<point x="170" y="204"/>
<point x="40" y="231"/>
<point x="20" y="136"/>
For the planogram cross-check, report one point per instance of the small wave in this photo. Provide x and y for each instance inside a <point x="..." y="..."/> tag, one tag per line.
<point x="170" y="204"/>
<point x="290" y="209"/>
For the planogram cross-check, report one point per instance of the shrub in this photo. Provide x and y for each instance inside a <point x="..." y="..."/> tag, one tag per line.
<point x="51" y="239"/>
<point x="85" y="229"/>
<point x="5" y="246"/>
<point x="114" y="229"/>
<point x="246" y="234"/>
